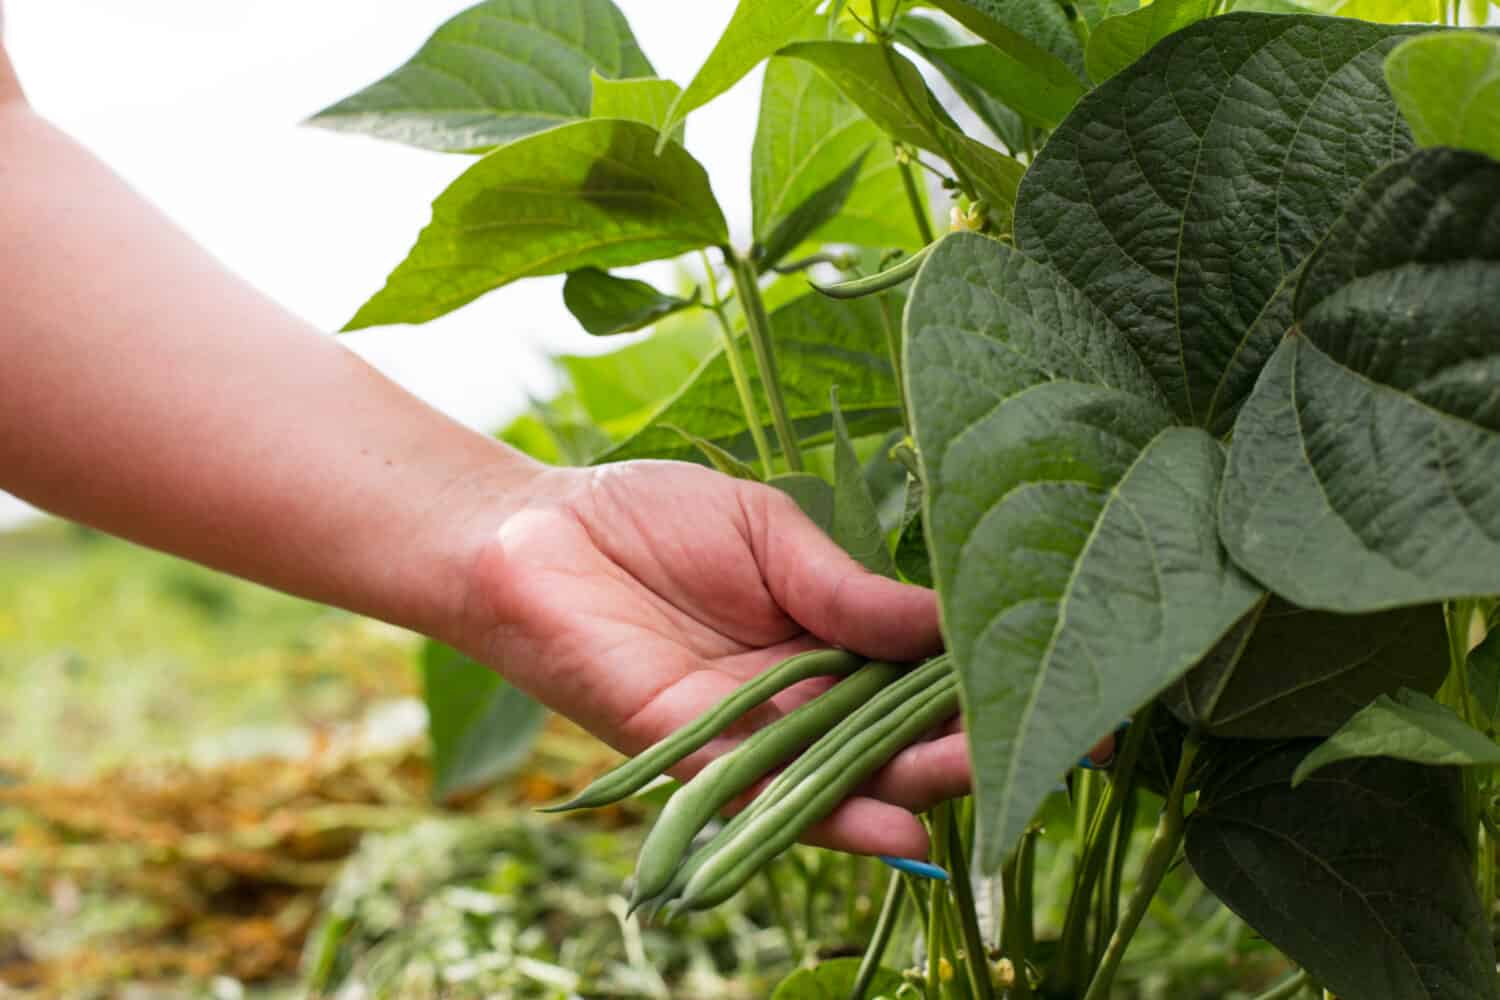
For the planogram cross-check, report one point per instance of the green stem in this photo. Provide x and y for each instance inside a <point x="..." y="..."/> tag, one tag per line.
<point x="885" y="925"/>
<point x="759" y="325"/>
<point x="1026" y="887"/>
<point x="737" y="370"/>
<point x="965" y="183"/>
<point x="1287" y="988"/>
<point x="977" y="960"/>
<point x="914" y="199"/>
<point x="778" y="910"/>
<point x="893" y="347"/>
<point x="1159" y="856"/>
<point x="1011" y="930"/>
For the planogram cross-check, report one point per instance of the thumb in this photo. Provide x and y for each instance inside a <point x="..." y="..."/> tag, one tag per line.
<point x="824" y="590"/>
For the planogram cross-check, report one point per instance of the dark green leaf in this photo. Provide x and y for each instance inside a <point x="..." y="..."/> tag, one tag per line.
<point x="819" y="344"/>
<point x="813" y="495"/>
<point x="1121" y="40"/>
<point x="1448" y="87"/>
<point x="757" y="29"/>
<point x="1300" y="674"/>
<point x="1363" y="875"/>
<point x="1023" y="29"/>
<point x="912" y="560"/>
<point x="589" y="194"/>
<point x="1410" y="726"/>
<point x="1362" y="471"/>
<point x="856" y="519"/>
<point x="1183" y="192"/>
<point x="1484" y="681"/>
<point x="899" y="102"/>
<point x="833" y="980"/>
<point x="820" y="207"/>
<point x="605" y="305"/>
<point x="646" y="100"/>
<point x="720" y="459"/>
<point x="983" y="74"/>
<point x="807" y="136"/>
<point x="500" y="70"/>
<point x="481" y="728"/>
<point x="1071" y="524"/>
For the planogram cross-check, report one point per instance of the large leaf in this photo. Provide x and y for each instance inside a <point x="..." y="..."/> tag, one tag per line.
<point x="605" y="305"/>
<point x="1410" y="726"/>
<point x="820" y="343"/>
<point x="756" y="30"/>
<point x="1448" y="87"/>
<point x="500" y="70"/>
<point x="1121" y="40"/>
<point x="617" y="390"/>
<point x="807" y="137"/>
<point x="1303" y="674"/>
<point x="589" y="194"/>
<point x="481" y="728"/>
<point x="1363" y="875"/>
<point x="1183" y="192"/>
<point x="646" y="100"/>
<point x="892" y="92"/>
<point x="1023" y="29"/>
<point x="1071" y="525"/>
<point x="1362" y="471"/>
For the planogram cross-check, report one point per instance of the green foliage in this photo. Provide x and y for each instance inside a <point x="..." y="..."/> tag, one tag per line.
<point x="1037" y="35"/>
<point x="500" y="70"/>
<point x="1119" y="41"/>
<point x="1355" y="521"/>
<point x="646" y="100"/>
<point x="481" y="728"/>
<point x="1448" y="87"/>
<point x="1363" y="875"/>
<point x="605" y="305"/>
<point x="607" y="200"/>
<point x="832" y="980"/>
<point x="1410" y="726"/>
<point x="856" y="520"/>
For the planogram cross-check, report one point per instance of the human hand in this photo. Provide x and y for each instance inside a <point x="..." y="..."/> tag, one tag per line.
<point x="633" y="597"/>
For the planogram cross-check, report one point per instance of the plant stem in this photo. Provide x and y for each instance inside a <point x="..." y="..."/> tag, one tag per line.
<point x="1164" y="844"/>
<point x="885" y="925"/>
<point x="1011" y="930"/>
<point x="977" y="962"/>
<point x="1287" y="988"/>
<point x="914" y="199"/>
<point x="759" y="326"/>
<point x="893" y="347"/>
<point x="737" y="370"/>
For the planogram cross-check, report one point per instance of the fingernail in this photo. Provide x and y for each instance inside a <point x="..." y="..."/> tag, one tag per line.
<point x="920" y="868"/>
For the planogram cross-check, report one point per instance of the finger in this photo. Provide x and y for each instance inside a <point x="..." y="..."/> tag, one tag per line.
<point x="1103" y="753"/>
<point x="864" y="825"/>
<point x="924" y="774"/>
<point x="828" y="593"/>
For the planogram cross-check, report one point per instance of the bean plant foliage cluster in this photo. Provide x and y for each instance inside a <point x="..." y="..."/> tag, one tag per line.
<point x="1189" y="410"/>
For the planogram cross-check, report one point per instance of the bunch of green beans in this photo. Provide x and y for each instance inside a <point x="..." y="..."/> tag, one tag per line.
<point x="845" y="735"/>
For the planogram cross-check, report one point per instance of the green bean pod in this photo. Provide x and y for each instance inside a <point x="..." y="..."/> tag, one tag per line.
<point x="636" y="773"/>
<point x="776" y="829"/>
<point x="892" y="276"/>
<point x="875" y="712"/>
<point x="697" y="802"/>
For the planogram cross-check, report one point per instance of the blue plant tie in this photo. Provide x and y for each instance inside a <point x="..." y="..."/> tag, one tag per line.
<point x="918" y="868"/>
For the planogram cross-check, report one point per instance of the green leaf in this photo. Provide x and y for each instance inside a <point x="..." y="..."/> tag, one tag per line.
<point x="899" y="102"/>
<point x="856" y="519"/>
<point x="815" y="496"/>
<point x="833" y="980"/>
<point x="1363" y="875"/>
<point x="911" y="557"/>
<point x="1071" y="525"/>
<point x="1484" y="681"/>
<point x="614" y="388"/>
<point x="807" y="136"/>
<point x="646" y="100"/>
<point x="1095" y="11"/>
<point x="1121" y="40"/>
<point x="1362" y="471"/>
<point x="481" y="728"/>
<point x="1392" y="11"/>
<point x="1042" y="100"/>
<point x="757" y="29"/>
<point x="820" y="343"/>
<point x="605" y="305"/>
<point x="1302" y="674"/>
<point x="820" y="207"/>
<point x="500" y="70"/>
<point x="1448" y="87"/>
<point x="1410" y="726"/>
<point x="720" y="459"/>
<point x="589" y="194"/>
<point x="1030" y="32"/>
<point x="1181" y="194"/>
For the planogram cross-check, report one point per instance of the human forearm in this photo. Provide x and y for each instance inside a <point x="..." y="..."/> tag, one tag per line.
<point x="147" y="391"/>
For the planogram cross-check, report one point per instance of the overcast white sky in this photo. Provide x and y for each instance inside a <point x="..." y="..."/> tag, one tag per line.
<point x="197" y="103"/>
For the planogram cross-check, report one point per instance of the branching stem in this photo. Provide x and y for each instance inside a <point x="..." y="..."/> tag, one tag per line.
<point x="759" y="326"/>
<point x="737" y="369"/>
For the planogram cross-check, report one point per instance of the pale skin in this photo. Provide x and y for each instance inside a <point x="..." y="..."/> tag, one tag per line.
<point x="147" y="391"/>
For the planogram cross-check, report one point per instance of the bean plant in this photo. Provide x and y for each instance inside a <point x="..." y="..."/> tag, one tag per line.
<point x="1161" y="340"/>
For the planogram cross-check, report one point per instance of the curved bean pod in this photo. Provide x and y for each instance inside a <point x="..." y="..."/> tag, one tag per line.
<point x="892" y="276"/>
<point x="633" y="775"/>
